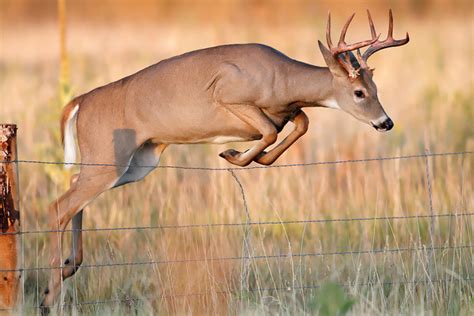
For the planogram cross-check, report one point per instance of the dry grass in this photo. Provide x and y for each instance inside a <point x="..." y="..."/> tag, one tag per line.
<point x="426" y="87"/>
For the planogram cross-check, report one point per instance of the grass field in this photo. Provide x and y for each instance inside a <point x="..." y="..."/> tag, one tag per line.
<point x="425" y="86"/>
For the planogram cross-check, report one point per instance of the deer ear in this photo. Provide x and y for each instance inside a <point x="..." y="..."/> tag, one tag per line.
<point x="334" y="66"/>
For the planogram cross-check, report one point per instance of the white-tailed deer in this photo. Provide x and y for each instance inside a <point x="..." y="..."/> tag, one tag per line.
<point x="214" y="95"/>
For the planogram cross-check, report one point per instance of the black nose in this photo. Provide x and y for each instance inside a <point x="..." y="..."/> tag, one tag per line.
<point x="387" y="124"/>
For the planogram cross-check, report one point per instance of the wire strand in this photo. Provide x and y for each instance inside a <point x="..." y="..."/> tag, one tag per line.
<point x="317" y="163"/>
<point x="259" y="223"/>
<point x="258" y="257"/>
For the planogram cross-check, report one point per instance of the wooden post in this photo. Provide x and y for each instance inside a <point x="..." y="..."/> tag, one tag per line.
<point x="9" y="219"/>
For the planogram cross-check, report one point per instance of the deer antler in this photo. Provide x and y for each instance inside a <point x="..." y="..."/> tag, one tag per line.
<point x="342" y="47"/>
<point x="374" y="44"/>
<point x="388" y="42"/>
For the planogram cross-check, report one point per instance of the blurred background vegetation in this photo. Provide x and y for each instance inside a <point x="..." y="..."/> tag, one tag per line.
<point x="425" y="86"/>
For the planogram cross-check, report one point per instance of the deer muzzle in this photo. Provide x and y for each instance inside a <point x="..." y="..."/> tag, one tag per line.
<point x="383" y="125"/>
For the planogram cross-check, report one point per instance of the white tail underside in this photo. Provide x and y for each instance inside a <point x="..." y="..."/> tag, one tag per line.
<point x="69" y="142"/>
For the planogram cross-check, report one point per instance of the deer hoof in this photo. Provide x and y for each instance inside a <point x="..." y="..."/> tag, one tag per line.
<point x="44" y="310"/>
<point x="229" y="154"/>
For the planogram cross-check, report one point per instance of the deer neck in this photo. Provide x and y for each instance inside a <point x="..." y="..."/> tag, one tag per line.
<point x="311" y="86"/>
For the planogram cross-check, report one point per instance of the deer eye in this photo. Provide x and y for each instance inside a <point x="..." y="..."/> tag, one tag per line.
<point x="359" y="94"/>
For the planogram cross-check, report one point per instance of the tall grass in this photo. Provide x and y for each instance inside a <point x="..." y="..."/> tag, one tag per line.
<point x="54" y="150"/>
<point x="426" y="94"/>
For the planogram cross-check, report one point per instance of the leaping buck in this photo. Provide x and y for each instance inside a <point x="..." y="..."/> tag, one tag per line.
<point x="221" y="94"/>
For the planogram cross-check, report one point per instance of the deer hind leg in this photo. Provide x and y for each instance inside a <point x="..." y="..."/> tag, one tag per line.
<point x="92" y="181"/>
<point x="253" y="116"/>
<point x="301" y="126"/>
<point x="72" y="263"/>
<point x="147" y="155"/>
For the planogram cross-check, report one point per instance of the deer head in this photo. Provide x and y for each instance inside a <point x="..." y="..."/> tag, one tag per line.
<point x="354" y="89"/>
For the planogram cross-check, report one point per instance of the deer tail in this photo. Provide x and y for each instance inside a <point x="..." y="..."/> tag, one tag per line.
<point x="68" y="122"/>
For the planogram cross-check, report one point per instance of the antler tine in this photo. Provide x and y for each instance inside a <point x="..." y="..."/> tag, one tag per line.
<point x="371" y="23"/>
<point x="342" y="47"/>
<point x="390" y="24"/>
<point x="344" y="31"/>
<point x="328" y="31"/>
<point x="388" y="42"/>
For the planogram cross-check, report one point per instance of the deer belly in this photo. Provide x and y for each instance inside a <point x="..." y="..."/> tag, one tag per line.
<point x="226" y="139"/>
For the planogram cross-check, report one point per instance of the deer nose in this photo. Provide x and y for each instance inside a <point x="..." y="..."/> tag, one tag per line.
<point x="387" y="124"/>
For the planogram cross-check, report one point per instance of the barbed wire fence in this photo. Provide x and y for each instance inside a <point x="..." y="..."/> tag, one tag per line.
<point x="247" y="252"/>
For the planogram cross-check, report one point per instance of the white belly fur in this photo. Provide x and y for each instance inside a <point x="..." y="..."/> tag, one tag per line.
<point x="223" y="139"/>
<point x="209" y="140"/>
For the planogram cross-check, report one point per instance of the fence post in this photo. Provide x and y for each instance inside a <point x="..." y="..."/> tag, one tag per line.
<point x="9" y="219"/>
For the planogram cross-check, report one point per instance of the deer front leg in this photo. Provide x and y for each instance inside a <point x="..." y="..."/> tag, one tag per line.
<point x="301" y="122"/>
<point x="253" y="116"/>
